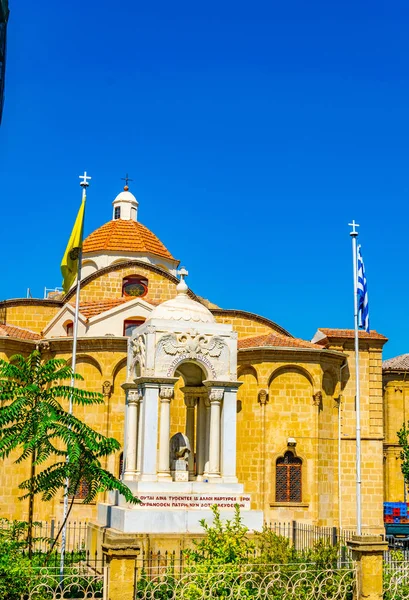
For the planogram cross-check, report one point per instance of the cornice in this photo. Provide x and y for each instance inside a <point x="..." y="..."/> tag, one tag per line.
<point x="304" y="354"/>
<point x="30" y="302"/>
<point x="17" y="345"/>
<point x="248" y="315"/>
<point x="93" y="344"/>
<point x="364" y="344"/>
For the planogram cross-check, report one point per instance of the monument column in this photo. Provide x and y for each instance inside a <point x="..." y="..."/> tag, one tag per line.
<point x="140" y="435"/>
<point x="191" y="402"/>
<point x="215" y="398"/>
<point x="206" y="410"/>
<point x="228" y="433"/>
<point x="165" y="394"/>
<point x="149" y="430"/>
<point x="133" y="396"/>
<point x="201" y="434"/>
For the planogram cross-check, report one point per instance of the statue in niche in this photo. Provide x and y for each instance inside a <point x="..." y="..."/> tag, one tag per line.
<point x="179" y="456"/>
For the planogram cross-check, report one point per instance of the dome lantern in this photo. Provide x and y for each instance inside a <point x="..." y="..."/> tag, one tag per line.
<point x="125" y="206"/>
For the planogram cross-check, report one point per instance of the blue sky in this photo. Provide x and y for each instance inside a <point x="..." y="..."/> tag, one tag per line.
<point x="254" y="133"/>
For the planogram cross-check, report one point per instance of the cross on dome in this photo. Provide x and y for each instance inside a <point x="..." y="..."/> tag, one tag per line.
<point x="126" y="179"/>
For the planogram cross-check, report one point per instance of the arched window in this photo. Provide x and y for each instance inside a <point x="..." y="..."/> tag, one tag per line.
<point x="134" y="286"/>
<point x="288" y="478"/>
<point x="130" y="324"/>
<point x="69" y="328"/>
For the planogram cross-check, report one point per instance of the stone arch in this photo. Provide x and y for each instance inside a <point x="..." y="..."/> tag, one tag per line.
<point x="292" y="368"/>
<point x="193" y="372"/>
<point x="291" y="399"/>
<point x="118" y="377"/>
<point x="124" y="264"/>
<point x="88" y="267"/>
<point x="87" y="359"/>
<point x="117" y="367"/>
<point x="247" y="370"/>
<point x="248" y="391"/>
<point x="330" y="382"/>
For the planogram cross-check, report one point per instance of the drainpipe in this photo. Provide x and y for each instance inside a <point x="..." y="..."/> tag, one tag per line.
<point x="263" y="398"/>
<point x="339" y="447"/>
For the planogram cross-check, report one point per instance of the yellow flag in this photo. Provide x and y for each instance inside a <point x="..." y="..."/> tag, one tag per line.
<point x="69" y="263"/>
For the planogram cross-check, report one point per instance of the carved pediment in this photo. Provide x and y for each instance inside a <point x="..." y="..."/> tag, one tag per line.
<point x="191" y="343"/>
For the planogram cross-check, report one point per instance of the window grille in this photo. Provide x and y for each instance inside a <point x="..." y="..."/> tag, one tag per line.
<point x="117" y="212"/>
<point x="82" y="490"/>
<point x="288" y="478"/>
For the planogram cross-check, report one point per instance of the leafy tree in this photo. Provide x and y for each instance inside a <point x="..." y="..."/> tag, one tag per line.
<point x="34" y="423"/>
<point x="224" y="542"/>
<point x="15" y="567"/>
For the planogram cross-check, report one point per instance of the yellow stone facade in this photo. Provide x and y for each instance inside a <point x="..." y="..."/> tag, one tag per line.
<point x="396" y="413"/>
<point x="295" y="396"/>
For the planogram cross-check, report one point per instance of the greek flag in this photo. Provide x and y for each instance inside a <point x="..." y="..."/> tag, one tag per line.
<point x="362" y="291"/>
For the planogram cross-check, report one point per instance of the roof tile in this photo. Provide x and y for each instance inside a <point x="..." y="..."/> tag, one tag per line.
<point x="271" y="339"/>
<point x="397" y="363"/>
<point x="18" y="332"/>
<point x="125" y="236"/>
<point x="93" y="308"/>
<point x="350" y="333"/>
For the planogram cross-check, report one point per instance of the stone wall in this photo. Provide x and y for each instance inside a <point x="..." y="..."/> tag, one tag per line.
<point x="396" y="409"/>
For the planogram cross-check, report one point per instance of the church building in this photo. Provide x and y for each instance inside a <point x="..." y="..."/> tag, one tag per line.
<point x="293" y="400"/>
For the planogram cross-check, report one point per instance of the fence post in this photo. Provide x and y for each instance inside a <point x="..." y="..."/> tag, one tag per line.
<point x="367" y="554"/>
<point x="294" y="534"/>
<point x="334" y="536"/>
<point x="120" y="553"/>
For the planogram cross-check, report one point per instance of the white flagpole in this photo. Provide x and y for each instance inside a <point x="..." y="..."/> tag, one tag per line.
<point x="84" y="184"/>
<point x="354" y="235"/>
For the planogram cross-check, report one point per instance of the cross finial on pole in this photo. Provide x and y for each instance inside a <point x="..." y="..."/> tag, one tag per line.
<point x="354" y="233"/>
<point x="126" y="179"/>
<point x="84" y="183"/>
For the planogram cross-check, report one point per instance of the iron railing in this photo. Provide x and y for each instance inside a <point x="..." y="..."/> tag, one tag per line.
<point x="255" y="581"/>
<point x="78" y="582"/>
<point x="303" y="536"/>
<point x="45" y="532"/>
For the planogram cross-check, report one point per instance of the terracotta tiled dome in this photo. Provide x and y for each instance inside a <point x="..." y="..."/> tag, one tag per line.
<point x="125" y="236"/>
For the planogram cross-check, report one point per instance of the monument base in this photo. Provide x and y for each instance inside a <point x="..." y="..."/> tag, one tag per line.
<point x="169" y="520"/>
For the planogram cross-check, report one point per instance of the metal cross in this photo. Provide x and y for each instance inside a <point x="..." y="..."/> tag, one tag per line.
<point x="353" y="225"/>
<point x="126" y="179"/>
<point x="84" y="182"/>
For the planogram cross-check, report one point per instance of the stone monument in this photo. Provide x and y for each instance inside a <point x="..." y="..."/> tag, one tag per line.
<point x="180" y="339"/>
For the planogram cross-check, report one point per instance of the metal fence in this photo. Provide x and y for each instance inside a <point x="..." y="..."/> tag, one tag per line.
<point x="303" y="536"/>
<point x="45" y="532"/>
<point x="78" y="582"/>
<point x="255" y="581"/>
<point x="396" y="580"/>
